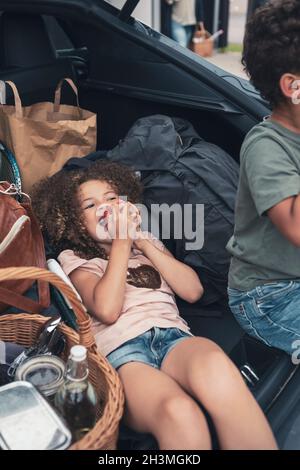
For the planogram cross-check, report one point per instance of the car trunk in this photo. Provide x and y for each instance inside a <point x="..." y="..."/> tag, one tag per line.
<point x="125" y="71"/>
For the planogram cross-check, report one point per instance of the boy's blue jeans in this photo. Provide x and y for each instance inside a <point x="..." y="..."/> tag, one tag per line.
<point x="270" y="313"/>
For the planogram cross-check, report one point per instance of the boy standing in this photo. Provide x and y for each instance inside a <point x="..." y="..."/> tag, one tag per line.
<point x="264" y="276"/>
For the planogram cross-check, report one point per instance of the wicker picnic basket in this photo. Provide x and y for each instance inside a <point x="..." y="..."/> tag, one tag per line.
<point x="23" y="329"/>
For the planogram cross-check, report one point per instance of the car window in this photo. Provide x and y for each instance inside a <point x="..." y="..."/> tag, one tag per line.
<point x="116" y="3"/>
<point x="145" y="11"/>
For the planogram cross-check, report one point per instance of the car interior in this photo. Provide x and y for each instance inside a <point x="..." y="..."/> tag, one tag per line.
<point x="121" y="81"/>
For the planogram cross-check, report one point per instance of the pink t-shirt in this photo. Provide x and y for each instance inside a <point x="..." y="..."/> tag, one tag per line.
<point x="148" y="301"/>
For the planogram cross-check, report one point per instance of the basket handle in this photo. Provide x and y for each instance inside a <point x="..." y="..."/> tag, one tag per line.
<point x="83" y="318"/>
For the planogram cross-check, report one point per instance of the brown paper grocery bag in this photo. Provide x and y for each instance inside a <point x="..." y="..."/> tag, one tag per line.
<point x="45" y="135"/>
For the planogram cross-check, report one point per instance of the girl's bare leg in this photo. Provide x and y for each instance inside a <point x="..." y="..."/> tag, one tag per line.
<point x="156" y="404"/>
<point x="204" y="371"/>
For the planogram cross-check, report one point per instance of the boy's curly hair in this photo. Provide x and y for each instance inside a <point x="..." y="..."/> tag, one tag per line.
<point x="272" y="47"/>
<point x="56" y="205"/>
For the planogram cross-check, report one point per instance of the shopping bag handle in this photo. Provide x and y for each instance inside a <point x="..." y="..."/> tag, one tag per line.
<point x="18" y="102"/>
<point x="57" y="96"/>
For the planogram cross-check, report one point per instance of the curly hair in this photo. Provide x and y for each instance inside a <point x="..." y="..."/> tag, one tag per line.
<point x="272" y="47"/>
<point x="55" y="204"/>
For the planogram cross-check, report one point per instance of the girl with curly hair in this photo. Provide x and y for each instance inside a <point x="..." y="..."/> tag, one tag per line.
<point x="127" y="284"/>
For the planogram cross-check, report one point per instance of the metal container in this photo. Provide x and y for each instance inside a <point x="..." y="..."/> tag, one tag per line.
<point x="27" y="421"/>
<point x="46" y="373"/>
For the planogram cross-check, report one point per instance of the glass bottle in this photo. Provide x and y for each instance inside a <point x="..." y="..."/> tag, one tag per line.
<point x="76" y="399"/>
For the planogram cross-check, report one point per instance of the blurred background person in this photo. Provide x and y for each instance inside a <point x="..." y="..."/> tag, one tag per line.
<point x="185" y="16"/>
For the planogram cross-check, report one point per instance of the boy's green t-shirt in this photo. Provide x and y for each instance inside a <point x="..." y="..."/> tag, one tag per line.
<point x="269" y="173"/>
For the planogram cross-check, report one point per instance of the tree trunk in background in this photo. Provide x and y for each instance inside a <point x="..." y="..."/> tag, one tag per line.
<point x="223" y="19"/>
<point x="166" y="17"/>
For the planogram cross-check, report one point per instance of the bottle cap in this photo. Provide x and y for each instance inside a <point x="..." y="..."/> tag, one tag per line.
<point x="78" y="353"/>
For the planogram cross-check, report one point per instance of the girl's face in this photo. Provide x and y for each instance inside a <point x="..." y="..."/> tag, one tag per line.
<point x="91" y="195"/>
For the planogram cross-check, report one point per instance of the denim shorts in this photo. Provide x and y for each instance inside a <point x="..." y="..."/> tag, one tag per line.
<point x="150" y="348"/>
<point x="270" y="313"/>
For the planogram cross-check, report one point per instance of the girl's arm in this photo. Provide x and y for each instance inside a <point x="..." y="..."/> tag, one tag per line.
<point x="104" y="298"/>
<point x="182" y="279"/>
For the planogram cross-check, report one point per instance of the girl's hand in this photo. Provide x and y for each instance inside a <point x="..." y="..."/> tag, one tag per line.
<point x="141" y="240"/>
<point x="125" y="221"/>
<point x="120" y="220"/>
